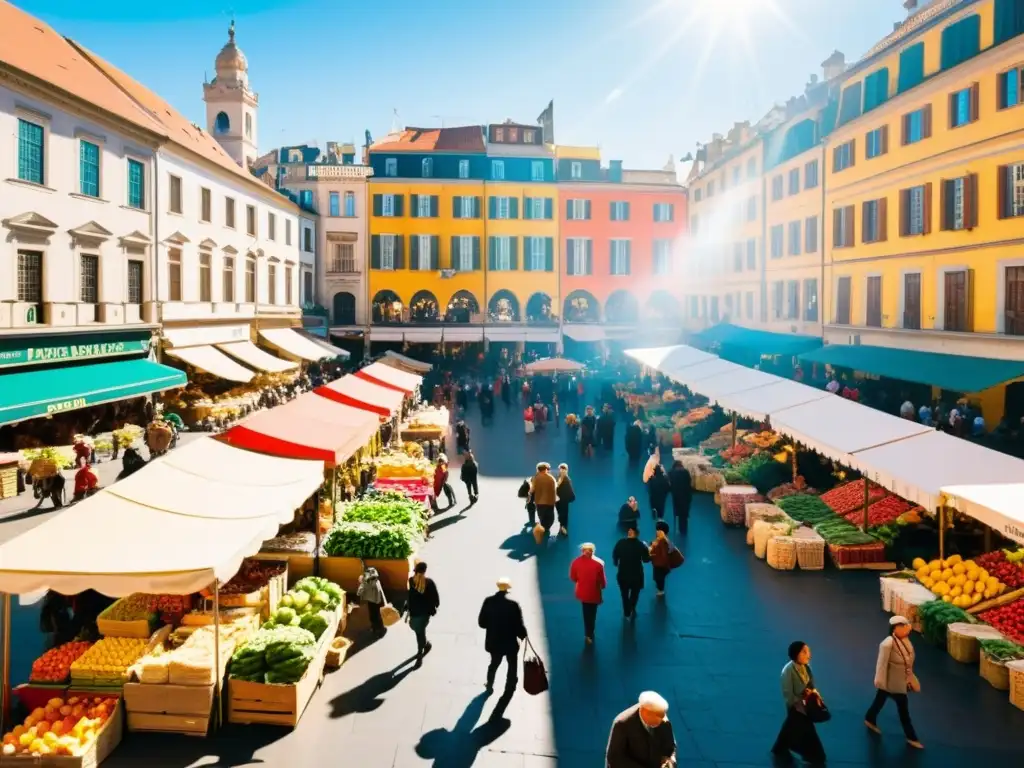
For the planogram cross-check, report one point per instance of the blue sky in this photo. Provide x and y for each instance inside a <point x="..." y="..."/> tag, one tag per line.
<point x="640" y="78"/>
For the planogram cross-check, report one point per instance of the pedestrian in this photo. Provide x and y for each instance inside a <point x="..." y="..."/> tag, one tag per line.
<point x="653" y="460"/>
<point x="528" y="420"/>
<point x="658" y="489"/>
<point x="642" y="737"/>
<point x="371" y="594"/>
<point x="681" y="485"/>
<point x="798" y="733"/>
<point x="587" y="572"/>
<point x="554" y="410"/>
<point x="461" y="437"/>
<point x="502" y="620"/>
<point x="588" y="431"/>
<point x="422" y="604"/>
<point x="468" y="475"/>
<point x="629" y="512"/>
<point x="628" y="557"/>
<point x="526" y="494"/>
<point x="634" y="441"/>
<point x="545" y="494"/>
<point x="895" y="678"/>
<point x="441" y="484"/>
<point x="564" y="496"/>
<point x="661" y="556"/>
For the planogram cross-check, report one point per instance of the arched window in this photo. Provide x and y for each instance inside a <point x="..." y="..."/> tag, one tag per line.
<point x="344" y="308"/>
<point x="222" y="124"/>
<point x="248" y="125"/>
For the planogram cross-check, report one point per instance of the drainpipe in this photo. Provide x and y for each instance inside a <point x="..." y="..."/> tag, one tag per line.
<point x="154" y="227"/>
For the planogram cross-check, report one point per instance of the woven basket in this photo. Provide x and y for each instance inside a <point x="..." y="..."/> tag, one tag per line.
<point x="782" y="553"/>
<point x="1016" y="669"/>
<point x="750" y="537"/>
<point x="997" y="675"/>
<point x="763" y="531"/>
<point x="758" y="510"/>
<point x="962" y="640"/>
<point x="810" y="554"/>
<point x="41" y="468"/>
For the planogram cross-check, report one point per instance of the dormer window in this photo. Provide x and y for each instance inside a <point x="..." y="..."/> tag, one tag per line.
<point x="513" y="134"/>
<point x="528" y="137"/>
<point x="499" y="134"/>
<point x="294" y="156"/>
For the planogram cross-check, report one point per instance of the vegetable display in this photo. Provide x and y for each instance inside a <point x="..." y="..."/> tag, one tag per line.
<point x="310" y="605"/>
<point x="805" y="508"/>
<point x="369" y="540"/>
<point x="841" y="533"/>
<point x="274" y="655"/>
<point x="1002" y="651"/>
<point x="936" y="616"/>
<point x="1008" y="572"/>
<point x="961" y="582"/>
<point x="881" y="512"/>
<point x="401" y="465"/>
<point x="846" y="498"/>
<point x="54" y="666"/>
<point x="1008" y="619"/>
<point x="791" y="489"/>
<point x="386" y="508"/>
<point x="253" y="575"/>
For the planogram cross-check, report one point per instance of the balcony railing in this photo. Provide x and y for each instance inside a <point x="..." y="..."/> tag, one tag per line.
<point x="343" y="267"/>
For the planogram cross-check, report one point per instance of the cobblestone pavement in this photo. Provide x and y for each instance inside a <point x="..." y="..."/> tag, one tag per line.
<point x="714" y="648"/>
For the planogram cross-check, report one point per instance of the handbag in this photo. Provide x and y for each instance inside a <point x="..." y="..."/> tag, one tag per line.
<point x="814" y="707"/>
<point x="389" y="615"/>
<point x="675" y="557"/>
<point x="535" y="677"/>
<point x="913" y="684"/>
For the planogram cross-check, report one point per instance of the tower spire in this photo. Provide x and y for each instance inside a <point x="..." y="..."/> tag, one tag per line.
<point x="231" y="31"/>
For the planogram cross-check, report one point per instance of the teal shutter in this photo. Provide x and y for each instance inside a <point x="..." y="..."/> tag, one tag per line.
<point x="476" y="252"/>
<point x="454" y="252"/>
<point x="490" y="250"/>
<point x="629" y="257"/>
<point x="549" y="254"/>
<point x="492" y="207"/>
<point x="570" y="254"/>
<point x="568" y="210"/>
<point x="586" y="210"/>
<point x="477" y="207"/>
<point x="549" y="206"/>
<point x="378" y="205"/>
<point x="627" y="211"/>
<point x="527" y="208"/>
<point x="399" y="202"/>
<point x="434" y="205"/>
<point x="456" y="207"/>
<point x="414" y="252"/>
<point x="611" y="211"/>
<point x="414" y="206"/>
<point x="375" y="250"/>
<point x="671" y="211"/>
<point x="527" y="250"/>
<point x="513" y="207"/>
<point x="513" y="250"/>
<point x="435" y="252"/>
<point x="399" y="251"/>
<point x="589" y="266"/>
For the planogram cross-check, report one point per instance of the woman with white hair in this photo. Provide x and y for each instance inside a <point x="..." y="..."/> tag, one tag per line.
<point x="565" y="495"/>
<point x="587" y="573"/>
<point x="642" y="737"/>
<point x="895" y="678"/>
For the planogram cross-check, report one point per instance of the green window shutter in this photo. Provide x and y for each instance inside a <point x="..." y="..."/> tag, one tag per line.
<point x="611" y="211"/>
<point x="399" y="251"/>
<point x="513" y="250"/>
<point x="456" y="207"/>
<point x="378" y="205"/>
<point x="527" y="208"/>
<point x="586" y="210"/>
<point x="627" y="212"/>
<point x="568" y="210"/>
<point x="492" y="207"/>
<point x="476" y="252"/>
<point x="434" y="205"/>
<point x="527" y="250"/>
<point x="490" y="250"/>
<point x="414" y="252"/>
<point x="454" y="252"/>
<point x="435" y="252"/>
<point x="399" y="202"/>
<point x="477" y="207"/>
<point x="570" y="253"/>
<point x="549" y="254"/>
<point x="414" y="206"/>
<point x="375" y="250"/>
<point x="549" y="205"/>
<point x="629" y="257"/>
<point x="590" y="257"/>
<point x="513" y="207"/>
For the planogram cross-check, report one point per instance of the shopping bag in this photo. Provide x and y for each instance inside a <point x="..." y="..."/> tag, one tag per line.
<point x="814" y="707"/>
<point x="539" y="534"/>
<point x="528" y="426"/>
<point x="389" y="615"/>
<point x="675" y="557"/>
<point x="535" y="677"/>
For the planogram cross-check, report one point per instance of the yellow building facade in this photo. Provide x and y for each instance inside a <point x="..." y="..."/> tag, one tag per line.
<point x="924" y="205"/>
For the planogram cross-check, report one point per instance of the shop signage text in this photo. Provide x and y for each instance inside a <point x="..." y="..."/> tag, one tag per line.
<point x="71" y="352"/>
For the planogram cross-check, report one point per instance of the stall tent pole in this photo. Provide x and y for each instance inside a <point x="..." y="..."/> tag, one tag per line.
<point x="219" y="703"/>
<point x="316" y="519"/>
<point x="5" y="714"/>
<point x="942" y="530"/>
<point x="867" y="493"/>
<point x="734" y="429"/>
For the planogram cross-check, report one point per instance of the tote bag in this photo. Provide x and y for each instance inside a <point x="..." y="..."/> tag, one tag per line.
<point x="535" y="676"/>
<point x="815" y="708"/>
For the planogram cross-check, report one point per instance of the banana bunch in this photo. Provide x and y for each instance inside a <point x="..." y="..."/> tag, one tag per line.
<point x="1014" y="557"/>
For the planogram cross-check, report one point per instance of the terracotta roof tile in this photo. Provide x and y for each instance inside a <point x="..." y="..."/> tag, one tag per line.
<point x="408" y="140"/>
<point x="465" y="138"/>
<point x="31" y="46"/>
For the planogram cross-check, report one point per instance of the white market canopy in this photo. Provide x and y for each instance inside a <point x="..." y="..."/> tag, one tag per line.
<point x="406" y="362"/>
<point x="668" y="359"/>
<point x="256" y="358"/>
<point x="554" y="365"/>
<point x="733" y="382"/>
<point x="763" y="402"/>
<point x="999" y="506"/>
<point x="692" y="374"/>
<point x="292" y="343"/>
<point x="144" y="535"/>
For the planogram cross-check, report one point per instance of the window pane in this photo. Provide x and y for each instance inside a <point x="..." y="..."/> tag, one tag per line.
<point x="30" y="151"/>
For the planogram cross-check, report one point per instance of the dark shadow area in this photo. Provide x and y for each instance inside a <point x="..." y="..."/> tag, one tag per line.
<point x="366" y="697"/>
<point x="459" y="747"/>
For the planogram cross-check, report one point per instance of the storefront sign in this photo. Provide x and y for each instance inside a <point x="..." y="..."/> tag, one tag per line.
<point x="50" y="349"/>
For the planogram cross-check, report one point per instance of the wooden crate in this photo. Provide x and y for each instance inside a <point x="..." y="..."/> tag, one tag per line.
<point x="140" y="628"/>
<point x="98" y="751"/>
<point x="394" y="574"/>
<point x="169" y="708"/>
<point x="187" y="725"/>
<point x="9" y="481"/>
<point x="268" y="704"/>
<point x="343" y="571"/>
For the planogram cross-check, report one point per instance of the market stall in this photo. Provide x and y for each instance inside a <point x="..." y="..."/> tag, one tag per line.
<point x="669" y="359"/>
<point x="359" y="393"/>
<point x="294" y="345"/>
<point x="392" y="378"/>
<point x="405" y="363"/>
<point x="553" y="365"/>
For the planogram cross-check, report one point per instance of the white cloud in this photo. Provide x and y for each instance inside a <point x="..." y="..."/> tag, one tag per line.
<point x="613" y="95"/>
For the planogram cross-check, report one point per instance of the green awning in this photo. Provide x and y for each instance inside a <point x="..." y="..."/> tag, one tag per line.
<point x="29" y="394"/>
<point x="764" y="342"/>
<point x="957" y="373"/>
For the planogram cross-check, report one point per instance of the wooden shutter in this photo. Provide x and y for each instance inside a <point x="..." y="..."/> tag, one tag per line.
<point x="375" y="250"/>
<point x="951" y="108"/>
<point x="454" y="252"/>
<point x="853" y="152"/>
<point x="975" y="102"/>
<point x="492" y="207"/>
<point x="476" y="252"/>
<point x="570" y="256"/>
<point x="513" y="207"/>
<point x="527" y="252"/>
<point x="969" y="300"/>
<point x="589" y="245"/>
<point x="586" y="210"/>
<point x="414" y="251"/>
<point x="927" y="209"/>
<point x="904" y="129"/>
<point x="456" y="207"/>
<point x="904" y="212"/>
<point x="945" y="201"/>
<point x="549" y="254"/>
<point x="884" y="139"/>
<point x="491" y="241"/>
<point x="414" y="206"/>
<point x="629" y="257"/>
<point x="1003" y="185"/>
<point x="399" y="251"/>
<point x="434" y="206"/>
<point x="378" y="205"/>
<point x="399" y="205"/>
<point x="837" y="223"/>
<point x="849" y="225"/>
<point x="548" y="208"/>
<point x="627" y="211"/>
<point x="926" y="122"/>
<point x="435" y="252"/>
<point x="970" y="201"/>
<point x="513" y="250"/>
<point x="865" y="234"/>
<point x="568" y="210"/>
<point x="883" y="219"/>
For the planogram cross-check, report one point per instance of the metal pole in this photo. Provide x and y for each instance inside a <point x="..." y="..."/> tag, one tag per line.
<point x="316" y="519"/>
<point x="219" y="705"/>
<point x="5" y="714"/>
<point x="734" y="429"/>
<point x="867" y="488"/>
<point x="942" y="531"/>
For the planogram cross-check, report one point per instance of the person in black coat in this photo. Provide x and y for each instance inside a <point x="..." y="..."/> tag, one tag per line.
<point x="468" y="474"/>
<point x="422" y="605"/>
<point x="642" y="737"/>
<point x="629" y="557"/>
<point x="634" y="441"/>
<point x="658" y="489"/>
<point x="461" y="437"/>
<point x="502" y="619"/>
<point x="682" y="495"/>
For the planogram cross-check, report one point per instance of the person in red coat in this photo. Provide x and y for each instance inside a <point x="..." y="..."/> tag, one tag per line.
<point x="86" y="481"/>
<point x="441" y="482"/>
<point x="587" y="572"/>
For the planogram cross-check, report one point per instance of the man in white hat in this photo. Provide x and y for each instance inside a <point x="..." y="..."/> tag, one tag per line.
<point x="502" y="619"/>
<point x="642" y="737"/>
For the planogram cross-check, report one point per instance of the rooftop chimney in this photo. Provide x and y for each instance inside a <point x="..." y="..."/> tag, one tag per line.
<point x="833" y="66"/>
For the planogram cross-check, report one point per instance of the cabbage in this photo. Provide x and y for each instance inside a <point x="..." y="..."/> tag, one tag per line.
<point x="300" y="600"/>
<point x="316" y="623"/>
<point x="284" y="615"/>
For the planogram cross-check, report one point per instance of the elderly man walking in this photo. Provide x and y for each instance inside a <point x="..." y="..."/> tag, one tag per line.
<point x="642" y="737"/>
<point x="545" y="494"/>
<point x="502" y="619"/>
<point x="587" y="573"/>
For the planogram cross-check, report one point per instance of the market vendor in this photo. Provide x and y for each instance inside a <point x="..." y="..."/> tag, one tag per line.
<point x="86" y="482"/>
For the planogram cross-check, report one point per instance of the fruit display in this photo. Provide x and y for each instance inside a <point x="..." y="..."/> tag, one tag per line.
<point x="252" y="576"/>
<point x="62" y="727"/>
<point x="936" y="616"/>
<point x="401" y="465"/>
<point x="805" y="508"/>
<point x="1008" y="619"/>
<point x="737" y="453"/>
<point x="998" y="564"/>
<point x="369" y="540"/>
<point x="961" y="582"/>
<point x="413" y="450"/>
<point x="310" y="605"/>
<point x="850" y="496"/>
<point x="880" y="513"/>
<point x="54" y="666"/>
<point x="693" y="416"/>
<point x="274" y="655"/>
<point x="108" y="660"/>
<point x="762" y="440"/>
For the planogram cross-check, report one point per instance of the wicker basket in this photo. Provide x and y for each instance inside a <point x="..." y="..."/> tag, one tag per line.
<point x="750" y="537"/>
<point x="734" y="499"/>
<point x="758" y="510"/>
<point x="337" y="652"/>
<point x="763" y="533"/>
<point x="1016" y="669"/>
<point x="962" y="641"/>
<point x="810" y="554"/>
<point x="41" y="468"/>
<point x="782" y="553"/>
<point x="997" y="675"/>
